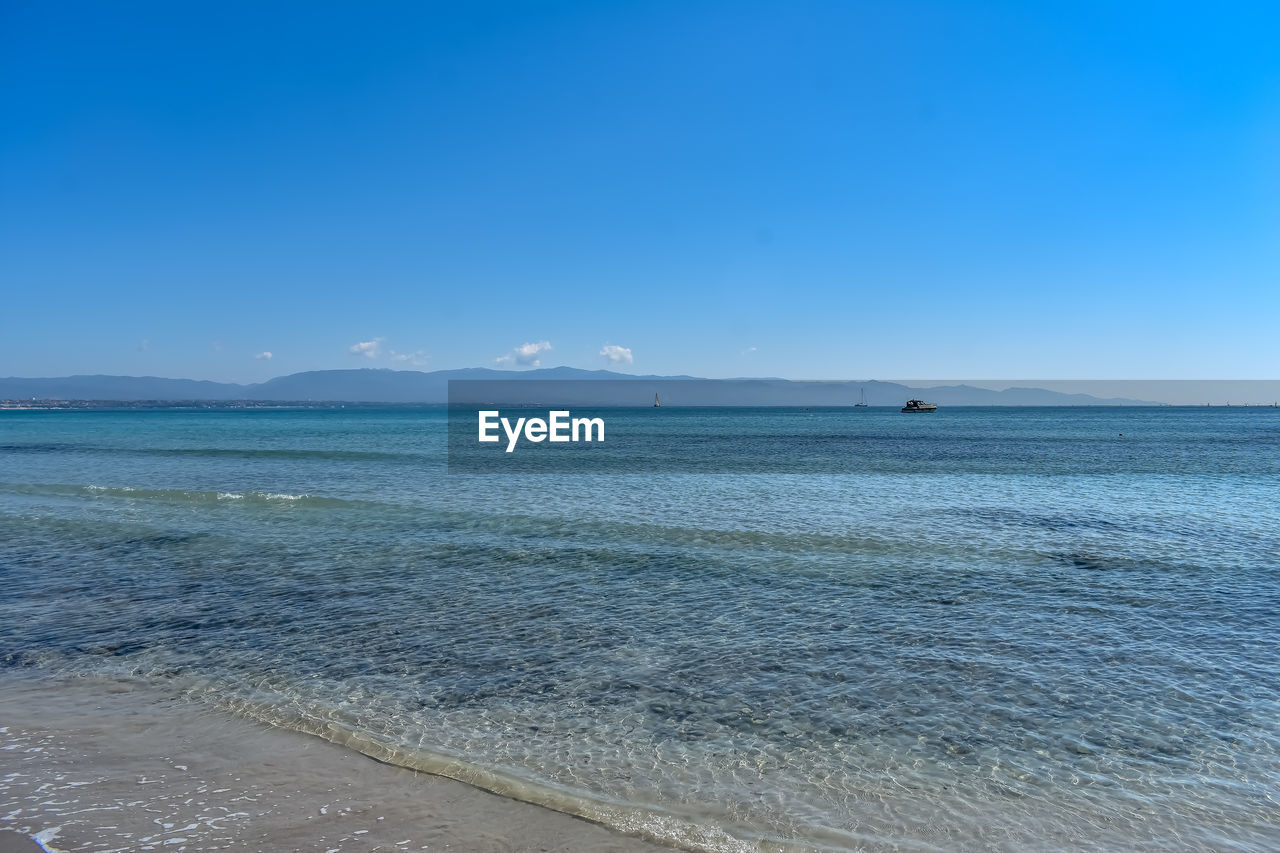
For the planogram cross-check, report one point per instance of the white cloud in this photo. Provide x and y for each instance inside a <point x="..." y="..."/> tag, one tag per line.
<point x="368" y="349"/>
<point x="748" y="350"/>
<point x="615" y="354"/>
<point x="263" y="356"/>
<point x="527" y="354"/>
<point x="417" y="359"/>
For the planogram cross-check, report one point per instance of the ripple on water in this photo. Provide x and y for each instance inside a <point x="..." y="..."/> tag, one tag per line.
<point x="998" y="661"/>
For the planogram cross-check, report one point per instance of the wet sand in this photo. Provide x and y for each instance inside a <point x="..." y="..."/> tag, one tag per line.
<point x="102" y="765"/>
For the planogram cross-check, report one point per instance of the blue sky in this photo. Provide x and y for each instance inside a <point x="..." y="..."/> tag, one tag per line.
<point x="843" y="189"/>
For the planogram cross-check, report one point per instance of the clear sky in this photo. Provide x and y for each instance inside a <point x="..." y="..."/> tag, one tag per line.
<point x="842" y="189"/>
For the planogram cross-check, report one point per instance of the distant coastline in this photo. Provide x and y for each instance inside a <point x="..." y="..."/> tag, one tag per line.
<point x="326" y="388"/>
<point x="602" y="387"/>
<point x="330" y="405"/>
<point x="197" y="405"/>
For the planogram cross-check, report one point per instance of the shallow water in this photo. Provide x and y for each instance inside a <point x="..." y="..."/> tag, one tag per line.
<point x="1003" y="630"/>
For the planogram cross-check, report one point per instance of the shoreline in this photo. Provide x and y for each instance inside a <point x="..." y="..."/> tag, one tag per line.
<point x="109" y="765"/>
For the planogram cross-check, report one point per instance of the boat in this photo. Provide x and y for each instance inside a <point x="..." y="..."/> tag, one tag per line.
<point x="656" y="404"/>
<point x="862" y="399"/>
<point x="919" y="406"/>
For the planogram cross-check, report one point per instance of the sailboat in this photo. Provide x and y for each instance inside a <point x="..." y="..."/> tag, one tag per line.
<point x="656" y="404"/>
<point x="862" y="399"/>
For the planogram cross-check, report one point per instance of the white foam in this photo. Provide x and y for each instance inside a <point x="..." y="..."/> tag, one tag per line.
<point x="45" y="836"/>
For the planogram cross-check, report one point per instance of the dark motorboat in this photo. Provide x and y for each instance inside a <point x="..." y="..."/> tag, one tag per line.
<point x="919" y="406"/>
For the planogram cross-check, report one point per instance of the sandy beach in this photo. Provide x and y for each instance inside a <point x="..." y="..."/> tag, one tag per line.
<point x="105" y="765"/>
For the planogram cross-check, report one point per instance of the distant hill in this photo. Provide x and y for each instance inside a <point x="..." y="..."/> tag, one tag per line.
<point x="119" y="388"/>
<point x="414" y="386"/>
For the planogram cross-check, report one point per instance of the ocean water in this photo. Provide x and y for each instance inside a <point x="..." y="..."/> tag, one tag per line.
<point x="1007" y="629"/>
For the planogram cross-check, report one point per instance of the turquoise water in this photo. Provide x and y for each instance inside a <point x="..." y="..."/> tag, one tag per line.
<point x="990" y="629"/>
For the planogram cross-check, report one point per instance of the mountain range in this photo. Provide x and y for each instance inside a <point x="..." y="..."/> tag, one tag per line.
<point x="412" y="386"/>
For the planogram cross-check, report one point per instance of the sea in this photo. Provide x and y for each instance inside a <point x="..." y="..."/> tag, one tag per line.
<point x="978" y="629"/>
